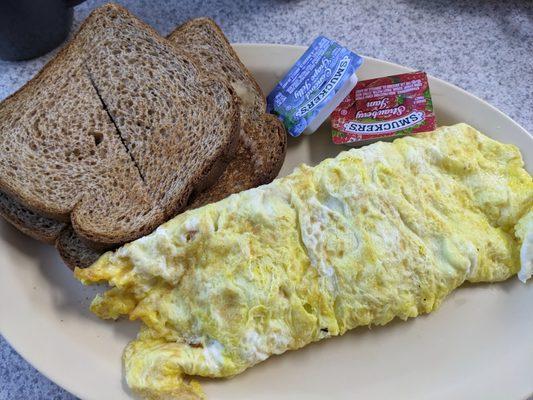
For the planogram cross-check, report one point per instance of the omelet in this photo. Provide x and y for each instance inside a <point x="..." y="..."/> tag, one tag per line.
<point x="381" y="232"/>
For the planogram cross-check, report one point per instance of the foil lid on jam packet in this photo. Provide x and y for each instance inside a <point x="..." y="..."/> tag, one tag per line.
<point x="314" y="86"/>
<point x="384" y="107"/>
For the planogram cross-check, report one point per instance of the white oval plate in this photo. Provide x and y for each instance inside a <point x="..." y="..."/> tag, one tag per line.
<point x="477" y="345"/>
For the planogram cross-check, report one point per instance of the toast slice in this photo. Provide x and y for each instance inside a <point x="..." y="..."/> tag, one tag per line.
<point x="73" y="251"/>
<point x="263" y="140"/>
<point x="71" y="248"/>
<point x="262" y="145"/>
<point x="116" y="133"/>
<point x="32" y="224"/>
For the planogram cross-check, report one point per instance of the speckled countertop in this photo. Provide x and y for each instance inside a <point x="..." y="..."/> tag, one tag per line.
<point x="482" y="46"/>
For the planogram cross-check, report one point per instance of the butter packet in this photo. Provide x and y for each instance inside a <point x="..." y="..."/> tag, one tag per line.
<point x="384" y="107"/>
<point x="314" y="86"/>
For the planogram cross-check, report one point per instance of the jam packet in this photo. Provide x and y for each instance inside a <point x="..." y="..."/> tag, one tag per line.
<point x="314" y="86"/>
<point x="384" y="107"/>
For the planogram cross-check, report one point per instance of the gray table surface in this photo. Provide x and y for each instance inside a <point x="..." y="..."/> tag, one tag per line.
<point x="485" y="47"/>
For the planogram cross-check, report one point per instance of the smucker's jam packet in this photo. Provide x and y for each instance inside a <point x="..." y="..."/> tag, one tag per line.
<point x="384" y="107"/>
<point x="321" y="78"/>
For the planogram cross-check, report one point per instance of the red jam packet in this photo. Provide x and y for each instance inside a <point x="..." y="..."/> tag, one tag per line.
<point x="384" y="107"/>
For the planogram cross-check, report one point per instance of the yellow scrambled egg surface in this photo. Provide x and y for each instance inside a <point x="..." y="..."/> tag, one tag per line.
<point x="380" y="232"/>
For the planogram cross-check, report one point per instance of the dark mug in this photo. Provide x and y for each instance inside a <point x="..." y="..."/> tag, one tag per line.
<point x="30" y="28"/>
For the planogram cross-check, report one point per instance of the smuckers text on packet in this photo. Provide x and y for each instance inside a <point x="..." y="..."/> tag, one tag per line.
<point x="384" y="107"/>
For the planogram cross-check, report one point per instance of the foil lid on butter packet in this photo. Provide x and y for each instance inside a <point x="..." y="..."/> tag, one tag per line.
<point x="314" y="86"/>
<point x="384" y="107"/>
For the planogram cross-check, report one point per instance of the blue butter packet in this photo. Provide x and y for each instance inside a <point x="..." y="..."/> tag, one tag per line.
<point x="321" y="78"/>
